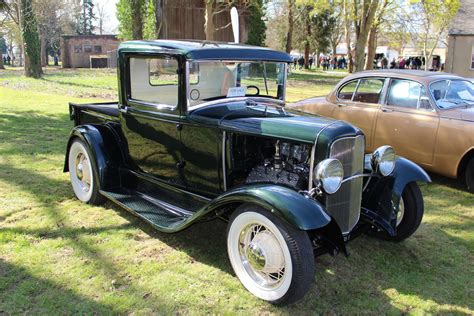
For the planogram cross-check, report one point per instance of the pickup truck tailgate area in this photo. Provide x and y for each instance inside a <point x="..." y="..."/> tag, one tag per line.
<point x="93" y="112"/>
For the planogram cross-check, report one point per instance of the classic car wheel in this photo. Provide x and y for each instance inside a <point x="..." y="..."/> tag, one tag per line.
<point x="83" y="174"/>
<point x="272" y="259"/>
<point x="469" y="175"/>
<point x="410" y="213"/>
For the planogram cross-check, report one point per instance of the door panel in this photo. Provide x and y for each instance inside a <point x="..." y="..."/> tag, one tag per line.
<point x="201" y="154"/>
<point x="361" y="115"/>
<point x="154" y="144"/>
<point x="412" y="133"/>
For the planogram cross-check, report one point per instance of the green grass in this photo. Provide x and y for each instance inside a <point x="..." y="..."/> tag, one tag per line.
<point x="59" y="256"/>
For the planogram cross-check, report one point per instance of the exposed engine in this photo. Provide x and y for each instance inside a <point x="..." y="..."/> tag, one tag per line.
<point x="288" y="166"/>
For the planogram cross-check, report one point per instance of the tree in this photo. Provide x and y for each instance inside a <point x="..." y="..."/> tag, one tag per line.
<point x="289" y="34"/>
<point x="372" y="39"/>
<point x="31" y="40"/>
<point x="86" y="19"/>
<point x="102" y="15"/>
<point x="362" y="17"/>
<point x="337" y="33"/>
<point x="130" y="14"/>
<point x="324" y="24"/>
<point x="431" y="22"/>
<point x="216" y="7"/>
<point x="256" y="25"/>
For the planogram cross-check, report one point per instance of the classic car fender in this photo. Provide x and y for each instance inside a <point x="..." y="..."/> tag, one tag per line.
<point x="381" y="197"/>
<point x="104" y="148"/>
<point x="301" y="212"/>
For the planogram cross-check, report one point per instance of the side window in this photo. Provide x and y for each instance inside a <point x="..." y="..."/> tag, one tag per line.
<point x="369" y="91"/>
<point x="404" y="93"/>
<point x="154" y="80"/>
<point x="346" y="92"/>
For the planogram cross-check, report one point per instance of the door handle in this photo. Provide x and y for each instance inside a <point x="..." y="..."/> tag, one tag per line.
<point x="341" y="104"/>
<point x="387" y="110"/>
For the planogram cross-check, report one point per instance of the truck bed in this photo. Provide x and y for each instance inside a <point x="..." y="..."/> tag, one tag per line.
<point x="93" y="112"/>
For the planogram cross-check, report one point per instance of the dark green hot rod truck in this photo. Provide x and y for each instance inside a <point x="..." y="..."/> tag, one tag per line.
<point x="201" y="131"/>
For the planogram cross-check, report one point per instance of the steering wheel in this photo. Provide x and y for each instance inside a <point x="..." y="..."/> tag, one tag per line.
<point x="254" y="87"/>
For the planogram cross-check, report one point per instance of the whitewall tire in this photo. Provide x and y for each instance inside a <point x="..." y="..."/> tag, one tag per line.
<point x="83" y="173"/>
<point x="273" y="260"/>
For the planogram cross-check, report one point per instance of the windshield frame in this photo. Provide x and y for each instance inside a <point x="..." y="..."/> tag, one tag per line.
<point x="450" y="80"/>
<point x="281" y="101"/>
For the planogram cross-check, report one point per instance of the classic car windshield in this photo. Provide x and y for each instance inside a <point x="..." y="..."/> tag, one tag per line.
<point x="452" y="93"/>
<point x="211" y="80"/>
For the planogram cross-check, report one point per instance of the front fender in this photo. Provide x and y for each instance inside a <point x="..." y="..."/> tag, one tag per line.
<point x="104" y="150"/>
<point x="299" y="211"/>
<point x="381" y="198"/>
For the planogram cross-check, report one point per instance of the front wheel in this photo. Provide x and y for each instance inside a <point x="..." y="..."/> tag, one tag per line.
<point x="272" y="259"/>
<point x="410" y="213"/>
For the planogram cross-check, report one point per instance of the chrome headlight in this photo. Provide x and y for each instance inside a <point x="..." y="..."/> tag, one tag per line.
<point x="383" y="160"/>
<point x="329" y="173"/>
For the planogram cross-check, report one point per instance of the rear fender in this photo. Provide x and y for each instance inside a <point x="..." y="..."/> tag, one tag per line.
<point x="105" y="151"/>
<point x="294" y="208"/>
<point x="381" y="198"/>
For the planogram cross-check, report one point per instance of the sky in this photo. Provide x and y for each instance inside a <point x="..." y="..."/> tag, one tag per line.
<point x="111" y="23"/>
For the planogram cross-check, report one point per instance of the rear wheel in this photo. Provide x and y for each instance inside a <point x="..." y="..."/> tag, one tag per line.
<point x="83" y="174"/>
<point x="469" y="175"/>
<point x="272" y="259"/>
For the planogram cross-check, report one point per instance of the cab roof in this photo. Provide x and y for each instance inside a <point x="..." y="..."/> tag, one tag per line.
<point x="207" y="50"/>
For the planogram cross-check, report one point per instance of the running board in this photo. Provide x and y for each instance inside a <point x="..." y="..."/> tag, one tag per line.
<point x="162" y="215"/>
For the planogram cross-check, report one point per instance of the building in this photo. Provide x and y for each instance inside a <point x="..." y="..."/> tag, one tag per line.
<point x="86" y="51"/>
<point x="185" y="19"/>
<point x="460" y="56"/>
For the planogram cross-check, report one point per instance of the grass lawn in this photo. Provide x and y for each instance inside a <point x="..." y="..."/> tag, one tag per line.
<point x="59" y="256"/>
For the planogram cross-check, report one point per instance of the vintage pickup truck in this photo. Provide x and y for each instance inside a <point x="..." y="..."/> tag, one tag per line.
<point x="200" y="131"/>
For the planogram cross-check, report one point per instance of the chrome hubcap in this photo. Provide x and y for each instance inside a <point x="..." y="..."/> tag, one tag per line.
<point x="401" y="211"/>
<point x="262" y="255"/>
<point x="83" y="171"/>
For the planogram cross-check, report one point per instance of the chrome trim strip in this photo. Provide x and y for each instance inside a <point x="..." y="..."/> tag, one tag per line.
<point x="357" y="176"/>
<point x="311" y="162"/>
<point x="224" y="171"/>
<point x="236" y="99"/>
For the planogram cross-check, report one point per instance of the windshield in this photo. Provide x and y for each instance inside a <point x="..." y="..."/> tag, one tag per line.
<point x="452" y="93"/>
<point x="222" y="79"/>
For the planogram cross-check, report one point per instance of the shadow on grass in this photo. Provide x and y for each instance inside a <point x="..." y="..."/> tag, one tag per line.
<point x="28" y="132"/>
<point x="19" y="286"/>
<point x="356" y="282"/>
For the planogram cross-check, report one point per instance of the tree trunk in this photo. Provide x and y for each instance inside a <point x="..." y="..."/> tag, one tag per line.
<point x="31" y="40"/>
<point x="363" y="28"/>
<point x="1" y="62"/>
<point x="371" y="47"/>
<point x="347" y="35"/>
<point x="318" y="60"/>
<point x="158" y="17"/>
<point x="289" y="34"/>
<point x="137" y="19"/>
<point x="44" y="54"/>
<point x="209" y="24"/>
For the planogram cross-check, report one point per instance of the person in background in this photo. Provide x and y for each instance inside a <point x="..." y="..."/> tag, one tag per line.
<point x="401" y="63"/>
<point x="384" y="62"/>
<point x="4" y="60"/>
<point x="301" y="62"/>
<point x="295" y="61"/>
<point x="393" y="63"/>
<point x="310" y="62"/>
<point x="9" y="60"/>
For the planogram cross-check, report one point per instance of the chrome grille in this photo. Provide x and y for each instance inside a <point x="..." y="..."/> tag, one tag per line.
<point x="344" y="205"/>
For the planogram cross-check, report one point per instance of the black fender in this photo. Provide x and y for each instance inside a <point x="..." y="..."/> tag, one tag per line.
<point x="105" y="150"/>
<point x="381" y="197"/>
<point x="294" y="208"/>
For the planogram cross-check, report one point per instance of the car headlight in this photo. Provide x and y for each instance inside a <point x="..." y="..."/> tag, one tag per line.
<point x="383" y="160"/>
<point x="329" y="173"/>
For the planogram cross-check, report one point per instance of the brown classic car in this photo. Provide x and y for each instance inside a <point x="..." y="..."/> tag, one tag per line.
<point x="427" y="117"/>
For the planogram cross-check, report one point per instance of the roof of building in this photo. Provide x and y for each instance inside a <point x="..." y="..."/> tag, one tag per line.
<point x="193" y="49"/>
<point x="462" y="23"/>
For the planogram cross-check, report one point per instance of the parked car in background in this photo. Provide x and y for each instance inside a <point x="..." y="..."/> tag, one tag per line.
<point x="427" y="117"/>
<point x="200" y="132"/>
